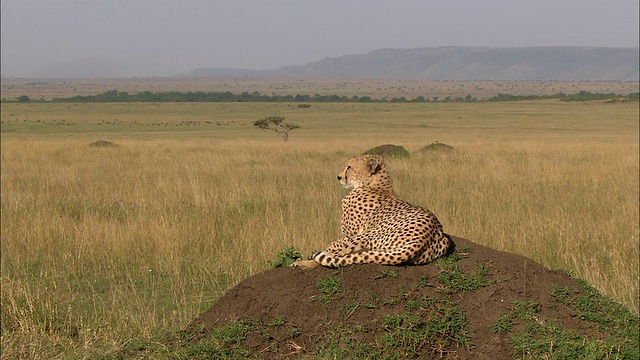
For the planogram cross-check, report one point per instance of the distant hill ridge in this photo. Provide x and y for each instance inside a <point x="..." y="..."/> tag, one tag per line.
<point x="466" y="63"/>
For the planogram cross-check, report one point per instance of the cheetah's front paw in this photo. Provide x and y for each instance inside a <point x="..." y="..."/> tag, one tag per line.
<point x="305" y="264"/>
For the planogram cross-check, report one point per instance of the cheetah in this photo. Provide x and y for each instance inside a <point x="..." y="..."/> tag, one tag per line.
<point x="377" y="226"/>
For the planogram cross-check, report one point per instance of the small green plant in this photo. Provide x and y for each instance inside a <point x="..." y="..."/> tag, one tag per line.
<point x="541" y="338"/>
<point x="330" y="289"/>
<point x="560" y="294"/>
<point x="524" y="310"/>
<point x="350" y="309"/>
<point x="224" y="342"/>
<point x="423" y="281"/>
<point x="431" y="325"/>
<point x="285" y="258"/>
<point x="387" y="274"/>
<point x="503" y="323"/>
<point x="456" y="280"/>
<point x="394" y="298"/>
<point x="293" y="332"/>
<point x="340" y="343"/>
<point x="609" y="315"/>
<point x="422" y="303"/>
<point x="277" y="322"/>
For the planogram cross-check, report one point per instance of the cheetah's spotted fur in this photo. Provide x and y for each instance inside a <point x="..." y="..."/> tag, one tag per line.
<point x="377" y="226"/>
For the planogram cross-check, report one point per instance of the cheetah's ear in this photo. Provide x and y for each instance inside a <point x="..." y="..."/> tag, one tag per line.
<point x="373" y="165"/>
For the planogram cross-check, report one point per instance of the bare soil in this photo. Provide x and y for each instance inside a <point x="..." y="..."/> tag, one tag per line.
<point x="290" y="296"/>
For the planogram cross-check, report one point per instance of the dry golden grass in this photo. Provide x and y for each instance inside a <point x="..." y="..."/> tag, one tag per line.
<point x="103" y="246"/>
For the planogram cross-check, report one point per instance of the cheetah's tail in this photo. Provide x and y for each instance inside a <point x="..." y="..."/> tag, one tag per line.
<point x="452" y="245"/>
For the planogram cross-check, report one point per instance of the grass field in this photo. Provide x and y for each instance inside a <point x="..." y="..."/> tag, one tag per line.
<point x="105" y="246"/>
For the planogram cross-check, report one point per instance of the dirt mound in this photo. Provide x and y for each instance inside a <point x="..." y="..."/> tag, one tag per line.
<point x="477" y="303"/>
<point x="436" y="146"/>
<point x="388" y="150"/>
<point x="103" y="143"/>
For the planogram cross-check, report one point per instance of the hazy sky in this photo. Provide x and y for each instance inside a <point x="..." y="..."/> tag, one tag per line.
<point x="165" y="37"/>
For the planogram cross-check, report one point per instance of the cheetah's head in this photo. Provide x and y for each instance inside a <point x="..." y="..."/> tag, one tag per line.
<point x="362" y="171"/>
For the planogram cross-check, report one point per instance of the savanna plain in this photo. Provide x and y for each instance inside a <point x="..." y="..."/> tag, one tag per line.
<point x="102" y="246"/>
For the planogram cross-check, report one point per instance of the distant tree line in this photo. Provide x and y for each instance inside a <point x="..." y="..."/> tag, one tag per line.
<point x="212" y="96"/>
<point x="580" y="96"/>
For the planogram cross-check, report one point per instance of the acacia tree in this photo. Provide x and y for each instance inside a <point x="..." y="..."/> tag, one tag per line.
<point x="275" y="123"/>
